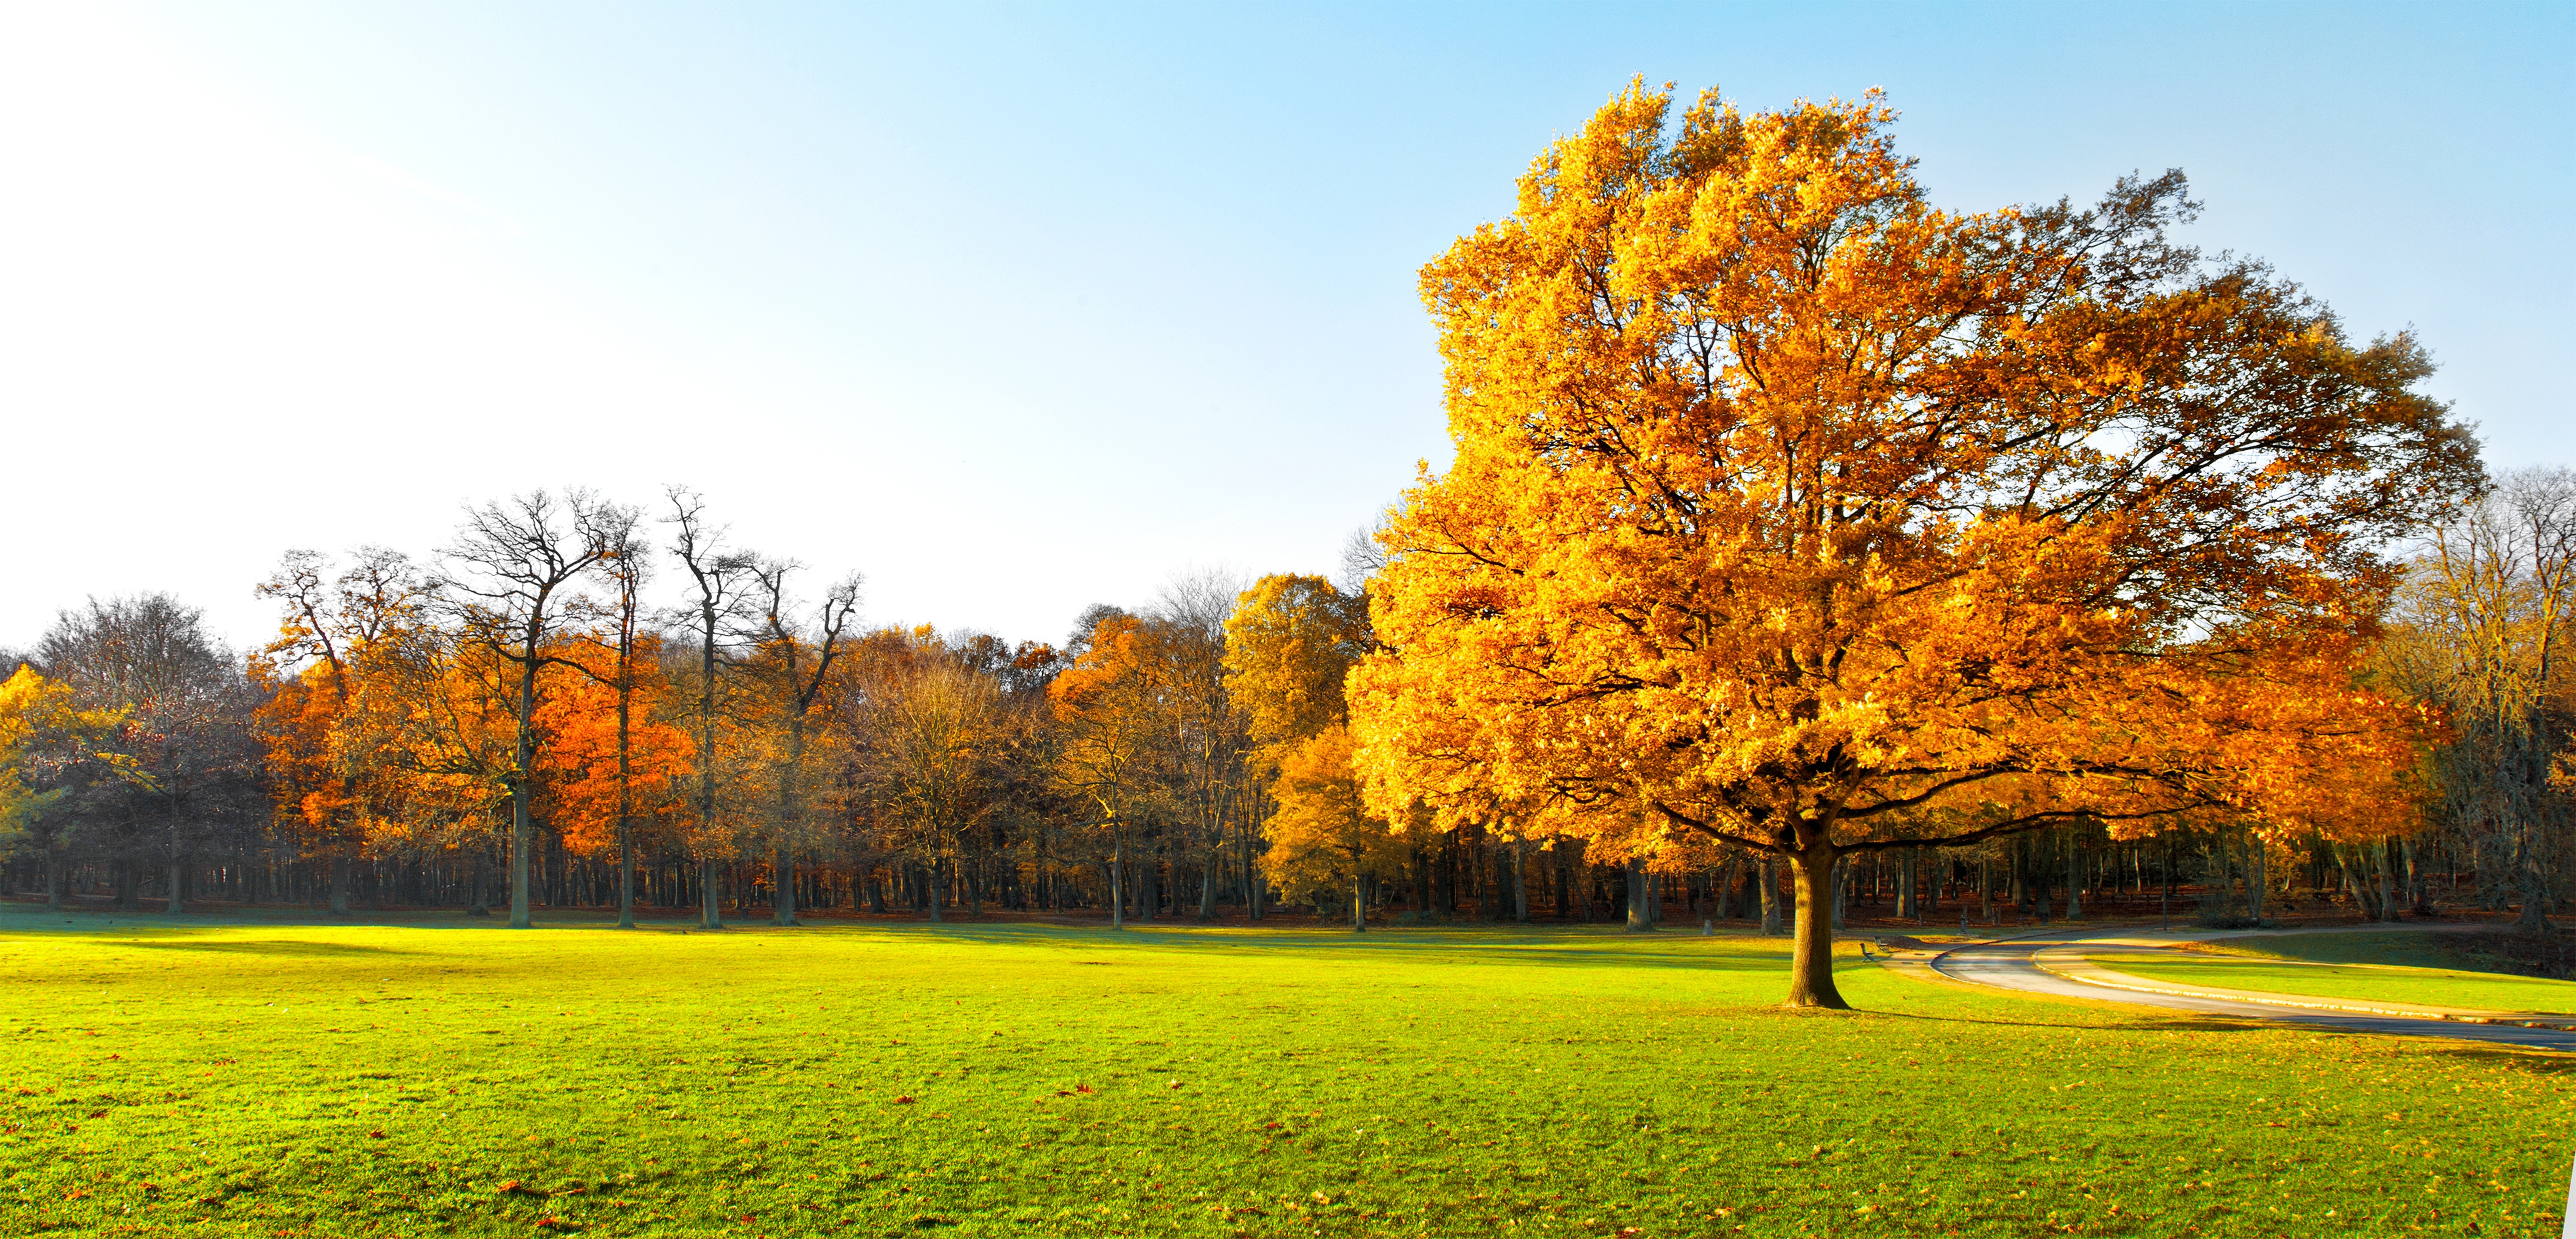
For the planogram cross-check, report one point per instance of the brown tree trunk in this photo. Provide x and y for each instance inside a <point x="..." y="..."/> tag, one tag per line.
<point x="1117" y="880"/>
<point x="1770" y="897"/>
<point x="522" y="828"/>
<point x="2074" y="878"/>
<point x="625" y="796"/>
<point x="1520" y="880"/>
<point x="1811" y="965"/>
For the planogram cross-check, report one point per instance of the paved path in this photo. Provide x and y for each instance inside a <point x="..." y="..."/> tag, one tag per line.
<point x="2014" y="964"/>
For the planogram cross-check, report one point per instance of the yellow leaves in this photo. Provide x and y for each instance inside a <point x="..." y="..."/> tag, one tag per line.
<point x="1320" y="831"/>
<point x="1288" y="645"/>
<point x="40" y="723"/>
<point x="1743" y="521"/>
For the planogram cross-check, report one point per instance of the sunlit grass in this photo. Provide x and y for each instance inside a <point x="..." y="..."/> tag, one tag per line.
<point x="1013" y="1080"/>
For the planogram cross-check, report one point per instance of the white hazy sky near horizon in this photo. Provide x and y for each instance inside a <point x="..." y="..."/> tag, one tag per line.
<point x="1019" y="309"/>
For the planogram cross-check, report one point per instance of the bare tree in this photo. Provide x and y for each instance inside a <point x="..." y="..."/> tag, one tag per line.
<point x="716" y="576"/>
<point x="509" y="578"/>
<point x="796" y="686"/>
<point x="1211" y="738"/>
<point x="2490" y="610"/>
<point x="626" y="570"/>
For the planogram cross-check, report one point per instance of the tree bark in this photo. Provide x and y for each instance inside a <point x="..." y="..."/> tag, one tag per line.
<point x="522" y="827"/>
<point x="2388" y="904"/>
<point x="1811" y="966"/>
<point x="1770" y="899"/>
<point x="1117" y="880"/>
<point x="1636" y="878"/>
<point x="1520" y="880"/>
<point x="2074" y="878"/>
<point x="710" y="895"/>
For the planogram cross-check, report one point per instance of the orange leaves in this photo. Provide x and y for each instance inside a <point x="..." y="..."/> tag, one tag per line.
<point x="576" y="767"/>
<point x="1789" y="510"/>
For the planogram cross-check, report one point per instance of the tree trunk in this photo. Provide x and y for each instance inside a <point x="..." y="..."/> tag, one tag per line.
<point x="339" y="884"/>
<point x="1636" y="876"/>
<point x="2074" y="878"/>
<point x="1811" y="967"/>
<point x="522" y="828"/>
<point x="175" y="905"/>
<point x="1520" y="880"/>
<point x="791" y="807"/>
<point x="1770" y="898"/>
<point x="1359" y="895"/>
<point x="711" y="895"/>
<point x="2257" y="883"/>
<point x="1117" y="880"/>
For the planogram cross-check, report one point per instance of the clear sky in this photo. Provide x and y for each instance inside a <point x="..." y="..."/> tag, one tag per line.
<point x="1019" y="308"/>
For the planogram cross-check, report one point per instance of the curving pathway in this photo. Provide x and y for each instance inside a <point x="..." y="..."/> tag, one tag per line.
<point x="2045" y="964"/>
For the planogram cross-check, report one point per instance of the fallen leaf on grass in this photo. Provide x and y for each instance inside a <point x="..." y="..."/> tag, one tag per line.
<point x="515" y="1186"/>
<point x="376" y="1135"/>
<point x="903" y="1101"/>
<point x="1082" y="1088"/>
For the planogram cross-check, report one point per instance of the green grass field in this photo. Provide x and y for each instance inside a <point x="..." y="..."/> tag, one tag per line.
<point x="2389" y="967"/>
<point x="282" y="1079"/>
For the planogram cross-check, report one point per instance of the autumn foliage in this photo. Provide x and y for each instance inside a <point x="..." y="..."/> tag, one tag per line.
<point x="1791" y="511"/>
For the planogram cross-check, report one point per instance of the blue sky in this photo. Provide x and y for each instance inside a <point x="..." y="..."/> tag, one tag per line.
<point x="1019" y="308"/>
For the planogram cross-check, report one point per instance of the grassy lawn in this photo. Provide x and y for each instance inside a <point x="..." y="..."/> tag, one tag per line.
<point x="2391" y="967"/>
<point x="276" y="1078"/>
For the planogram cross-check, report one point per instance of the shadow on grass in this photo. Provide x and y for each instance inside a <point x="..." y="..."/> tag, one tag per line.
<point x="2177" y="1024"/>
<point x="1578" y="947"/>
<point x="289" y="947"/>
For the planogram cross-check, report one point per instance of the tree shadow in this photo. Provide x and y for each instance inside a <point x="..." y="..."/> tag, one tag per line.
<point x="271" y="948"/>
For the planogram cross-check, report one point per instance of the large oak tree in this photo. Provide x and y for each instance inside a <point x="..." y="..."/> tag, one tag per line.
<point x="1794" y="512"/>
